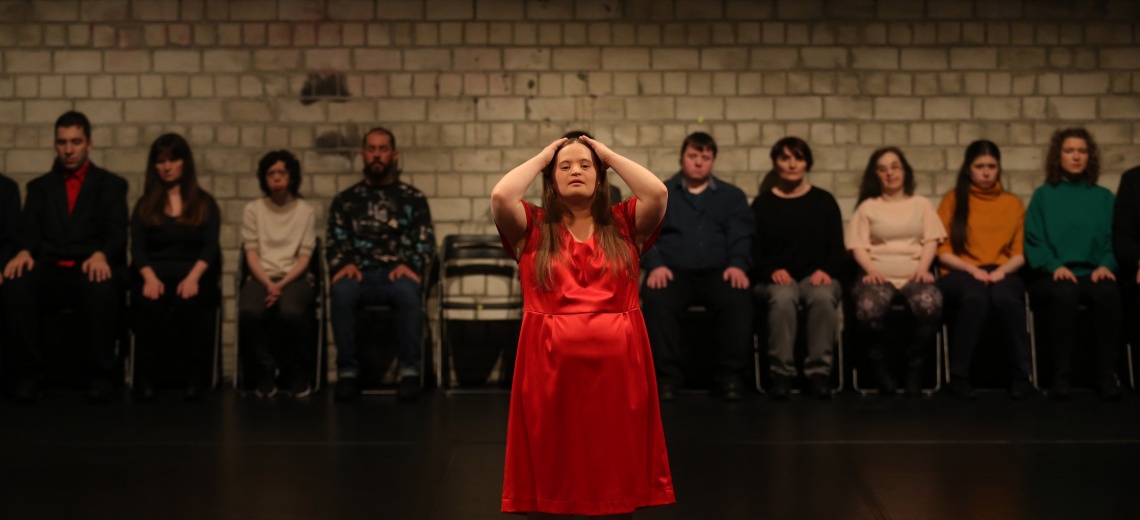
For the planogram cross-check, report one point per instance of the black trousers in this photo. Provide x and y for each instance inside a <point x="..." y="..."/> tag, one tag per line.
<point x="50" y="288"/>
<point x="1057" y="301"/>
<point x="289" y="322"/>
<point x="174" y="330"/>
<point x="970" y="303"/>
<point x="731" y="308"/>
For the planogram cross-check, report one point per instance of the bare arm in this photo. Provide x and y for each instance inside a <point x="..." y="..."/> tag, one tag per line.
<point x="928" y="250"/>
<point x="652" y="195"/>
<point x="506" y="197"/>
<point x="253" y="262"/>
<point x="951" y="261"/>
<point x="1014" y="263"/>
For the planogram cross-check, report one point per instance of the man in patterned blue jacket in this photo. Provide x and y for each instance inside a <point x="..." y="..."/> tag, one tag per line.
<point x="380" y="242"/>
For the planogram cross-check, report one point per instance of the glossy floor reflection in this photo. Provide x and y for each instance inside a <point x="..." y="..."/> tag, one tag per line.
<point x="441" y="458"/>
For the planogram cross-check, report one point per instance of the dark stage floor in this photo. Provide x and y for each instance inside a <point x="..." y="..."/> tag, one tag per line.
<point x="441" y="458"/>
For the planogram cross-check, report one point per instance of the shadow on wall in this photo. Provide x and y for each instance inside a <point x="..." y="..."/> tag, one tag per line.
<point x="333" y="88"/>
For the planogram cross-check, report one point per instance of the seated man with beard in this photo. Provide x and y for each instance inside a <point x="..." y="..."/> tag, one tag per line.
<point x="380" y="242"/>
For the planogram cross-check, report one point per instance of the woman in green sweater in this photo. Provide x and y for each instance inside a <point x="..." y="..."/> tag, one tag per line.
<point x="1068" y="241"/>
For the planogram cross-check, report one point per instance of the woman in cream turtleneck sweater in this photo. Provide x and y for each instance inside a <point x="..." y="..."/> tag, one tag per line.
<point x="980" y="264"/>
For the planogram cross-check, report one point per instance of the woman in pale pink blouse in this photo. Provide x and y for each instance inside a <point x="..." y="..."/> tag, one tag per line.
<point x="893" y="236"/>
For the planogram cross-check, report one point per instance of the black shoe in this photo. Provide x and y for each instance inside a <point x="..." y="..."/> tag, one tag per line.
<point x="1061" y="388"/>
<point x="27" y="391"/>
<point x="409" y="388"/>
<point x="914" y="382"/>
<point x="1020" y="388"/>
<point x="961" y="389"/>
<point x="347" y="389"/>
<point x="99" y="391"/>
<point x="1110" y="389"/>
<point x="730" y="391"/>
<point x="819" y="386"/>
<point x="194" y="390"/>
<point x="781" y="387"/>
<point x="667" y="392"/>
<point x="300" y="387"/>
<point x="143" y="390"/>
<point x="267" y="385"/>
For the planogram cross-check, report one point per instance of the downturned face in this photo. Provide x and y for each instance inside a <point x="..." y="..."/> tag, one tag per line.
<point x="891" y="173"/>
<point x="71" y="146"/>
<point x="575" y="177"/>
<point x="1074" y="155"/>
<point x="169" y="169"/>
<point x="984" y="171"/>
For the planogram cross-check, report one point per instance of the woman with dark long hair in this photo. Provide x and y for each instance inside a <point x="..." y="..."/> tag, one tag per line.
<point x="797" y="253"/>
<point x="584" y="435"/>
<point x="893" y="236"/>
<point x="1068" y="242"/>
<point x="174" y="255"/>
<point x="980" y="264"/>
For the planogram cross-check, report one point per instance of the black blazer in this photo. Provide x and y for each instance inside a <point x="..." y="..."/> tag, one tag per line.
<point x="9" y="218"/>
<point x="98" y="223"/>
<point x="1126" y="226"/>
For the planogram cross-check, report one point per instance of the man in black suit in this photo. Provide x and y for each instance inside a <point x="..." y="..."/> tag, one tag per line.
<point x="71" y="253"/>
<point x="9" y="220"/>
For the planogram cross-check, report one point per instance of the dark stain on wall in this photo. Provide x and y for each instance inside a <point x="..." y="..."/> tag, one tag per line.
<point x="329" y="87"/>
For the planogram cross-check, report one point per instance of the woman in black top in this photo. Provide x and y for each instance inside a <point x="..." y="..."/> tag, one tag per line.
<point x="796" y="254"/>
<point x="175" y="257"/>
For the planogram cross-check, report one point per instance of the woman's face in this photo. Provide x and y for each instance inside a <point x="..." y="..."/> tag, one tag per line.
<point x="790" y="167"/>
<point x="891" y="173"/>
<point x="1074" y="155"/>
<point x="277" y="177"/>
<point x="984" y="171"/>
<point x="169" y="169"/>
<point x="575" y="177"/>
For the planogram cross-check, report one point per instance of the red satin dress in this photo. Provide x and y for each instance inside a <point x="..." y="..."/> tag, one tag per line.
<point x="584" y="435"/>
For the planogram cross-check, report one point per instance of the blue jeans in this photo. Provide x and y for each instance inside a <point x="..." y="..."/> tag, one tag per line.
<point x="348" y="295"/>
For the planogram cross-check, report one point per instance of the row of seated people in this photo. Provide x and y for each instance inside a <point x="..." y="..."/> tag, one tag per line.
<point x="786" y="253"/>
<point x="67" y="249"/>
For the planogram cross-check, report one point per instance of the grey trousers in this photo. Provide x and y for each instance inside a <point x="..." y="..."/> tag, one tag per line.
<point x="822" y="306"/>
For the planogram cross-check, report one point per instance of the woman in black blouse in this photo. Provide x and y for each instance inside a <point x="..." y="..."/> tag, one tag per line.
<point x="796" y="254"/>
<point x="175" y="256"/>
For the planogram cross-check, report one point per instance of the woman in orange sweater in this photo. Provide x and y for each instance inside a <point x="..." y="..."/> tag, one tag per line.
<point x="980" y="262"/>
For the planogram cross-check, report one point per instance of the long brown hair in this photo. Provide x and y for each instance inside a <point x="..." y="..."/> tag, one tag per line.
<point x="1054" y="174"/>
<point x="151" y="207"/>
<point x="613" y="243"/>
<point x="871" y="186"/>
<point x="958" y="227"/>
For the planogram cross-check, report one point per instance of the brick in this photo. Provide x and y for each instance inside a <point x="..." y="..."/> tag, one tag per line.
<point x="500" y="109"/>
<point x="1128" y="58"/>
<point x="352" y="111"/>
<point x="78" y="61"/>
<point x="155" y="11"/>
<point x="302" y="10"/>
<point x="248" y="111"/>
<point x="550" y="109"/>
<point x="924" y="59"/>
<point x="650" y="108"/>
<point x="427" y="60"/>
<point x="1120" y="107"/>
<point x="751" y="108"/>
<point x="774" y="59"/>
<point x="724" y="58"/>
<point x="700" y="108"/>
<point x="675" y="59"/>
<point x="1021" y="58"/>
<point x="27" y="61"/>
<point x="499" y="9"/>
<point x="352" y="10"/>
<point x="328" y="59"/>
<point x="467" y="58"/>
<point x="973" y="58"/>
<point x="177" y="61"/>
<point x="843" y="107"/>
<point x="874" y="58"/>
<point x="445" y="209"/>
<point x="1072" y="108"/>
<point x="625" y="59"/>
<point x="276" y="59"/>
<point x="447" y="110"/>
<point x="799" y="107"/>
<point x="198" y="111"/>
<point x="997" y="108"/>
<point x="1092" y="83"/>
<point x="952" y="108"/>
<point x="104" y="10"/>
<point x="449" y="9"/>
<point x="400" y="10"/>
<point x="824" y="57"/>
<point x="55" y="10"/>
<point x="148" y="111"/>
<point x="226" y="60"/>
<point x="894" y="108"/>
<point x="799" y="9"/>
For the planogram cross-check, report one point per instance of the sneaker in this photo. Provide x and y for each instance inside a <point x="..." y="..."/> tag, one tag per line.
<point x="781" y="387"/>
<point x="819" y="386"/>
<point x="1020" y="388"/>
<point x="960" y="388"/>
<point x="347" y="389"/>
<point x="300" y="387"/>
<point x="409" y="388"/>
<point x="267" y="385"/>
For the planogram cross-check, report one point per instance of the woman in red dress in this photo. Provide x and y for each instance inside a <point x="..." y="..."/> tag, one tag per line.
<point x="584" y="435"/>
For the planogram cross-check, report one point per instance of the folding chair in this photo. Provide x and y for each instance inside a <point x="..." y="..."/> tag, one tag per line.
<point x="1032" y="347"/>
<point x="1081" y="308"/>
<point x="379" y="367"/>
<point x="898" y="310"/>
<point x="319" y="319"/>
<point x="480" y="315"/>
